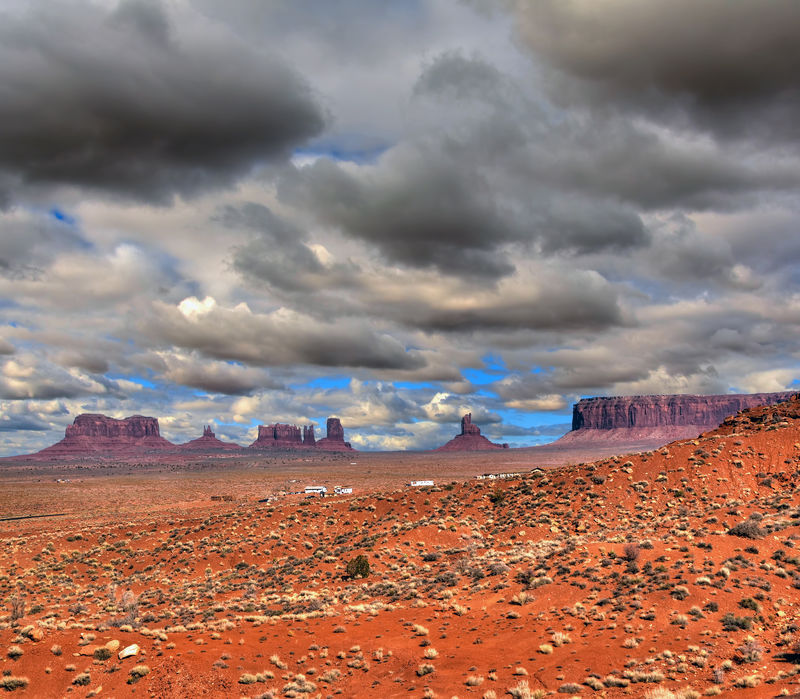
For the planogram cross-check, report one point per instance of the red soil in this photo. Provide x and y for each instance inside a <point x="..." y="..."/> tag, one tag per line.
<point x="599" y="573"/>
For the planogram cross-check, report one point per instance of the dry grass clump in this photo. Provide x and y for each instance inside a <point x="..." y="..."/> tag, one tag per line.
<point x="10" y="682"/>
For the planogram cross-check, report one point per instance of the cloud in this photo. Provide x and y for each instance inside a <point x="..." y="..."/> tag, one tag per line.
<point x="213" y="376"/>
<point x="141" y="103"/>
<point x="728" y="69"/>
<point x="28" y="377"/>
<point x="280" y="338"/>
<point x="280" y="255"/>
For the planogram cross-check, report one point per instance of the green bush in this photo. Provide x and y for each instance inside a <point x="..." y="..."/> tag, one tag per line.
<point x="731" y="622"/>
<point x="358" y="567"/>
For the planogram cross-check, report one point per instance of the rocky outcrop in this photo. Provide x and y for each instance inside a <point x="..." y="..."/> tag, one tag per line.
<point x="470" y="439"/>
<point x="334" y="441"/>
<point x="278" y="436"/>
<point x="655" y="420"/>
<point x="208" y="443"/>
<point x="99" y="435"/>
<point x="308" y="436"/>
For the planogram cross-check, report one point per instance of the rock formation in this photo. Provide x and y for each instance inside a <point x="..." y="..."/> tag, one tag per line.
<point x="208" y="442"/>
<point x="656" y="420"/>
<point x="470" y="439"/>
<point x="334" y="441"/>
<point x="99" y="435"/>
<point x="308" y="436"/>
<point x="278" y="436"/>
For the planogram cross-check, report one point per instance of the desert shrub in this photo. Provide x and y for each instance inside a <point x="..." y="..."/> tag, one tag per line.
<point x="358" y="567"/>
<point x="10" y="683"/>
<point x="731" y="622"/>
<point x="425" y="669"/>
<point x="137" y="672"/>
<point x="14" y="652"/>
<point x="17" y="605"/>
<point x="750" y="651"/>
<point x="749" y="603"/>
<point x="680" y="592"/>
<point x="102" y="654"/>
<point x="247" y="678"/>
<point x="749" y="529"/>
<point x="631" y="552"/>
<point x="569" y="688"/>
<point x="82" y="680"/>
<point x="497" y="497"/>
<point x="594" y="683"/>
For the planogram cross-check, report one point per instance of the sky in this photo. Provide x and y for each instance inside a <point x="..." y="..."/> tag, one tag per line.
<point x="255" y="211"/>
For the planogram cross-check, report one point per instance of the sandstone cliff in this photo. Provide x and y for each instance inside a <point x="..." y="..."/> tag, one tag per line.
<point x="650" y="421"/>
<point x="101" y="435"/>
<point x="470" y="439"/>
<point x="334" y="439"/>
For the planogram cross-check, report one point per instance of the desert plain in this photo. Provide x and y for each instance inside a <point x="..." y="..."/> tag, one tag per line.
<point x="673" y="572"/>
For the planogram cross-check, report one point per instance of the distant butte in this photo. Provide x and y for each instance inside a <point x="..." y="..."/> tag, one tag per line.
<point x="334" y="441"/>
<point x="208" y="442"/>
<point x="99" y="435"/>
<point x="280" y="436"/>
<point x="470" y="439"/>
<point x="652" y="421"/>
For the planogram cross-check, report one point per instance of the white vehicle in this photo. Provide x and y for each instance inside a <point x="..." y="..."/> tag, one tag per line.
<point x="342" y="490"/>
<point x="315" y="490"/>
<point x="420" y="484"/>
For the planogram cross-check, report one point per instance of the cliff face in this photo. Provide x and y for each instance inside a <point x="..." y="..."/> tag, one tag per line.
<point x="665" y="411"/>
<point x="278" y="436"/>
<point x="334" y="441"/>
<point x="470" y="439"/>
<point x="101" y="435"/>
<point x="650" y="421"/>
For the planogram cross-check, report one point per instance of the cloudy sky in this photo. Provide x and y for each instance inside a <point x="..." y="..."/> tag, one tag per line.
<point x="264" y="210"/>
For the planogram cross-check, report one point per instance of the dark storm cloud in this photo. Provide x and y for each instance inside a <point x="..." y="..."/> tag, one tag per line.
<point x="277" y="253"/>
<point x="133" y="103"/>
<point x="731" y="67"/>
<point x="277" y="339"/>
<point x="422" y="209"/>
<point x="195" y="371"/>
<point x="583" y="301"/>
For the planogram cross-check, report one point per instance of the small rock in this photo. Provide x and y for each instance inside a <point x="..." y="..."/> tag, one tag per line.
<point x="113" y="645"/>
<point x="129" y="651"/>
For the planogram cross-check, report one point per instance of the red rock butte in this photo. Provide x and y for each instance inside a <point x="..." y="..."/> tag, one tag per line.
<point x="208" y="442"/>
<point x="99" y="434"/>
<point x="334" y="439"/>
<point x="281" y="436"/>
<point x="657" y="419"/>
<point x="470" y="439"/>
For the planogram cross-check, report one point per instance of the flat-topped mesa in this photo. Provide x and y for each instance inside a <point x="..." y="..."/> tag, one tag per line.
<point x="334" y="441"/>
<point x="278" y="435"/>
<point x="208" y="442"/>
<point x="658" y="418"/>
<point x="470" y="439"/>
<point x="95" y="425"/>
<point x="93" y="434"/>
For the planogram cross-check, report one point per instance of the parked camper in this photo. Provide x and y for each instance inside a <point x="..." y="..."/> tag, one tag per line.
<point x="342" y="490"/>
<point x="420" y="484"/>
<point x="318" y="490"/>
